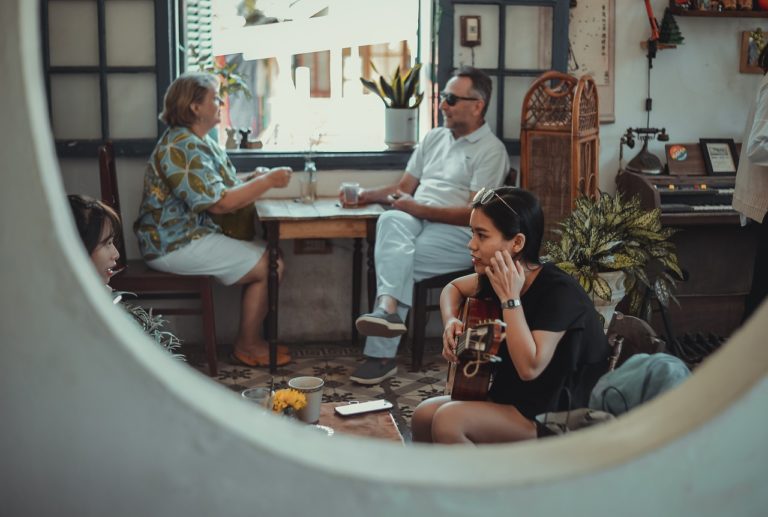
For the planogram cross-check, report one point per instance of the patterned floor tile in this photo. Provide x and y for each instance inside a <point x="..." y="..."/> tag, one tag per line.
<point x="334" y="363"/>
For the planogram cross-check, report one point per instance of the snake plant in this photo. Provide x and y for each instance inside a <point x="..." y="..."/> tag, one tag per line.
<point x="401" y="91"/>
<point x="611" y="234"/>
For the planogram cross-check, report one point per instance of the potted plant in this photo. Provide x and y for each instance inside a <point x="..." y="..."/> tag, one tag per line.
<point x="152" y="325"/>
<point x="401" y="97"/>
<point x="611" y="245"/>
<point x="230" y="82"/>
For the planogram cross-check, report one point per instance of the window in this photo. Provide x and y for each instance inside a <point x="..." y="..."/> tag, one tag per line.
<point x="532" y="38"/>
<point x="97" y="85"/>
<point x="302" y="62"/>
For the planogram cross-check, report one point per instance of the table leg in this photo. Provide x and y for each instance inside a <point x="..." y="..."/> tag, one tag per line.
<point x="370" y="238"/>
<point x="357" y="273"/>
<point x="273" y="238"/>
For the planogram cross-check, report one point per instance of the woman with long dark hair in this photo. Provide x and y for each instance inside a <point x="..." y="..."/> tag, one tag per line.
<point x="555" y="348"/>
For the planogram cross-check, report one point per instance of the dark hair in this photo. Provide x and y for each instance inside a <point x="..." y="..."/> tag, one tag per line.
<point x="187" y="89"/>
<point x="90" y="216"/>
<point x="481" y="83"/>
<point x="762" y="59"/>
<point x="528" y="220"/>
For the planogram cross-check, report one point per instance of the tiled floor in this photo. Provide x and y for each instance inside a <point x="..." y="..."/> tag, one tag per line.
<point x="334" y="363"/>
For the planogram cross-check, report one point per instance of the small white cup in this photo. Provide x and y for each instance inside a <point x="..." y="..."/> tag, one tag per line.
<point x="350" y="191"/>
<point x="312" y="388"/>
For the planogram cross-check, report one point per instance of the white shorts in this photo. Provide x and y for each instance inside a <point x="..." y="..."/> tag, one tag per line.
<point x="216" y="254"/>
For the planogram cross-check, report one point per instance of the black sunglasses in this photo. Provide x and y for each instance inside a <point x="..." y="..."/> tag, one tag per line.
<point x="451" y="99"/>
<point x="485" y="195"/>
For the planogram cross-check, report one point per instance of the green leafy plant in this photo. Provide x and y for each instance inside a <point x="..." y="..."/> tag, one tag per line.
<point x="152" y="325"/>
<point x="230" y="82"/>
<point x="401" y="91"/>
<point x="611" y="234"/>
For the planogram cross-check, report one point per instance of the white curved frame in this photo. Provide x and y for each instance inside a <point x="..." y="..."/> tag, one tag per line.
<point x="112" y="424"/>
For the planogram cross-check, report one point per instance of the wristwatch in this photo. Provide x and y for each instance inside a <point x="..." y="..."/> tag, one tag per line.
<point x="511" y="303"/>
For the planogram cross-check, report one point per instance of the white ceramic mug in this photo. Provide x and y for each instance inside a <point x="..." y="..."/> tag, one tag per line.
<point x="312" y="388"/>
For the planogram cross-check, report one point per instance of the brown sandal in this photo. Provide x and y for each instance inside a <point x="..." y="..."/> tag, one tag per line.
<point x="253" y="361"/>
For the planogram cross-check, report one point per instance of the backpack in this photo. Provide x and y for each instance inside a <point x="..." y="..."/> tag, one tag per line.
<point x="641" y="378"/>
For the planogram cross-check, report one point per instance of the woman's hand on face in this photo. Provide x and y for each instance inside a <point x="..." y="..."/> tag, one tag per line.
<point x="507" y="276"/>
<point x="279" y="176"/>
<point x="452" y="330"/>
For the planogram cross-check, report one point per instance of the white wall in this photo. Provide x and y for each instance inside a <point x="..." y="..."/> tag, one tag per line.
<point x="697" y="89"/>
<point x="98" y="421"/>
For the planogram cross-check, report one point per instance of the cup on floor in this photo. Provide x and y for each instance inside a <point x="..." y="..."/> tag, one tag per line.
<point x="259" y="396"/>
<point x="312" y="388"/>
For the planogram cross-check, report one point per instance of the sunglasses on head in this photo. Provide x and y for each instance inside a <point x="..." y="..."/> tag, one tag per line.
<point x="485" y="195"/>
<point x="451" y="99"/>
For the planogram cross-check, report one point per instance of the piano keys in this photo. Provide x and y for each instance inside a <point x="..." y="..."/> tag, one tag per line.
<point x="684" y="200"/>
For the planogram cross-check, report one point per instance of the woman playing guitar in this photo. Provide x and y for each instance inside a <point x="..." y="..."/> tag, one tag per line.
<point x="555" y="348"/>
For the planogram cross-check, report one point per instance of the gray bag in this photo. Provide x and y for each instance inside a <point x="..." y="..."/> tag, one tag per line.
<point x="562" y="422"/>
<point x="639" y="379"/>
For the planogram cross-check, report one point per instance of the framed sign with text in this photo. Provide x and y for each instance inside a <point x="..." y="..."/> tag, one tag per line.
<point x="592" y="37"/>
<point x="720" y="156"/>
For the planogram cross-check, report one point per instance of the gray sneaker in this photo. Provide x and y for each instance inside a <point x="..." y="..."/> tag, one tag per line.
<point x="374" y="370"/>
<point x="380" y="324"/>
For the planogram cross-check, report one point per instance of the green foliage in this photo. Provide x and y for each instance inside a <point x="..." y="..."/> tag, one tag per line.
<point x="401" y="91"/>
<point x="669" y="31"/>
<point x="230" y="82"/>
<point x="611" y="234"/>
<point x="152" y="325"/>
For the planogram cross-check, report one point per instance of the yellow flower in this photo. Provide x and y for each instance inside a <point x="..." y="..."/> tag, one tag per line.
<point x="288" y="398"/>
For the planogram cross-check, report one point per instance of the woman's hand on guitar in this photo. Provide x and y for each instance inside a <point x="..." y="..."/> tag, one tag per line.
<point x="506" y="275"/>
<point x="453" y="328"/>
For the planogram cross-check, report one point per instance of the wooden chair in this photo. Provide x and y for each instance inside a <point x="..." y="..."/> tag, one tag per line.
<point x="628" y="336"/>
<point x="419" y="311"/>
<point x="421" y="291"/>
<point x="148" y="284"/>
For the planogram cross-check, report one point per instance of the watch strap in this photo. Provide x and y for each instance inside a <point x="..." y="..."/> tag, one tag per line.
<point x="512" y="303"/>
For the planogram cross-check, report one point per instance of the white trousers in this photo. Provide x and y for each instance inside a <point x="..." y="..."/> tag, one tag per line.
<point x="408" y="250"/>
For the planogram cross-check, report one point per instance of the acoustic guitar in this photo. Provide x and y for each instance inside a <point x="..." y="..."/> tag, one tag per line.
<point x="477" y="349"/>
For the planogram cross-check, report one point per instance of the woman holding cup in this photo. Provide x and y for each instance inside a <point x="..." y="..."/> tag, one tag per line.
<point x="189" y="179"/>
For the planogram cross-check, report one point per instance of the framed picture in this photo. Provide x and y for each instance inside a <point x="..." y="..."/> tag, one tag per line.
<point x="720" y="156"/>
<point x="748" y="55"/>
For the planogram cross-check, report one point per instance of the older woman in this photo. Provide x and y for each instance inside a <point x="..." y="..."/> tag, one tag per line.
<point x="189" y="179"/>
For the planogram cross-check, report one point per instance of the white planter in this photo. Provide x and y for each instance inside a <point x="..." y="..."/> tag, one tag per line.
<point x="400" y="128"/>
<point x="606" y="309"/>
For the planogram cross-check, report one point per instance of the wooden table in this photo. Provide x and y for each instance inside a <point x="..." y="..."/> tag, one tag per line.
<point x="323" y="219"/>
<point x="373" y="425"/>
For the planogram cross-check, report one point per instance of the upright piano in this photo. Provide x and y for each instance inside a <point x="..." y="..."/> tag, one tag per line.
<point x="714" y="250"/>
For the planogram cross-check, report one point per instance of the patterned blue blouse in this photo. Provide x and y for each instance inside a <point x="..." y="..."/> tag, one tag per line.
<point x="185" y="176"/>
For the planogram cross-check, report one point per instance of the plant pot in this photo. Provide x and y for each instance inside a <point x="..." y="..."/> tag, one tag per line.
<point x="400" y="128"/>
<point x="606" y="309"/>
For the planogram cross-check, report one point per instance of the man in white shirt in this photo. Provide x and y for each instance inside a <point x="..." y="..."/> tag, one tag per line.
<point x="426" y="233"/>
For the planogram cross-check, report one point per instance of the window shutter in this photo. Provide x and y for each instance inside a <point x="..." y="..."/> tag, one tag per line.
<point x="198" y="22"/>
